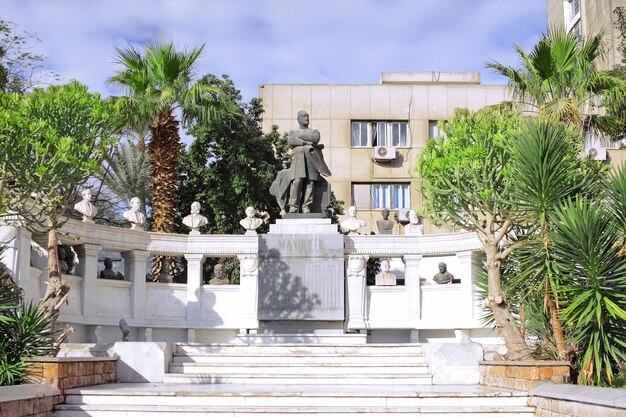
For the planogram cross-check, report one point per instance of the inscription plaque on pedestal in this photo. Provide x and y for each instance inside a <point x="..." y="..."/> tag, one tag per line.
<point x="301" y="275"/>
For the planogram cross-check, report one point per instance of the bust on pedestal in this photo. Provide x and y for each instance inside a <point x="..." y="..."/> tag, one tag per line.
<point x="218" y="276"/>
<point x="195" y="220"/>
<point x="251" y="222"/>
<point x="86" y="207"/>
<point x="134" y="214"/>
<point x="352" y="224"/>
<point x="414" y="227"/>
<point x="385" y="277"/>
<point x="385" y="226"/>
<point x="443" y="276"/>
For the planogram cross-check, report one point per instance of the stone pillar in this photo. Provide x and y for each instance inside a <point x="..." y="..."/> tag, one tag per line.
<point x="413" y="287"/>
<point x="249" y="285"/>
<point x="87" y="268"/>
<point x="356" y="283"/>
<point x="16" y="257"/>
<point x="194" y="286"/>
<point x="135" y="272"/>
<point x="467" y="262"/>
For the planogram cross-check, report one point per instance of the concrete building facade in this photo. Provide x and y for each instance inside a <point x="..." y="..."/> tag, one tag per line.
<point x="588" y="17"/>
<point x="373" y="133"/>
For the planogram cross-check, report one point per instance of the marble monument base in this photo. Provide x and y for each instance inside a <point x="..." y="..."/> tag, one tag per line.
<point x="301" y="271"/>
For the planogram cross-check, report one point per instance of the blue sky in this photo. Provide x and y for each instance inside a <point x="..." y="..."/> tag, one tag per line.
<point x="285" y="41"/>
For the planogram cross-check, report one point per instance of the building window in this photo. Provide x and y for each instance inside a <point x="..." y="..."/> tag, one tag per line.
<point x="571" y="13"/>
<point x="369" y="134"/>
<point x="368" y="196"/>
<point x="433" y="130"/>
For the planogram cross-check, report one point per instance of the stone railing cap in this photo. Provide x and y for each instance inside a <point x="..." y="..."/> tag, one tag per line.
<point x="27" y="391"/>
<point x="525" y="363"/>
<point x="72" y="359"/>
<point x="608" y="397"/>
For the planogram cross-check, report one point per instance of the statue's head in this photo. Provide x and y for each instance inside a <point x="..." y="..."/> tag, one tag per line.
<point x="218" y="271"/>
<point x="303" y="118"/>
<point x="352" y="211"/>
<point x="108" y="263"/>
<point x="385" y="213"/>
<point x="135" y="203"/>
<point x="413" y="219"/>
<point x="384" y="265"/>
<point x="250" y="212"/>
<point x="86" y="194"/>
<point x="195" y="208"/>
<point x="442" y="267"/>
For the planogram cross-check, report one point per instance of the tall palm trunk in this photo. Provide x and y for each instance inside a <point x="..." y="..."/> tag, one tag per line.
<point x="164" y="150"/>
<point x="550" y="297"/>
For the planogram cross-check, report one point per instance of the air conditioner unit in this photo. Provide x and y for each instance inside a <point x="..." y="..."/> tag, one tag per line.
<point x="384" y="153"/>
<point x="403" y="215"/>
<point x="597" y="153"/>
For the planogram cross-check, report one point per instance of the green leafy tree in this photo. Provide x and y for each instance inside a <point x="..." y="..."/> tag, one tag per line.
<point x="54" y="140"/>
<point x="159" y="80"/>
<point x="559" y="79"/>
<point x="465" y="183"/>
<point x="231" y="163"/>
<point x="229" y="166"/>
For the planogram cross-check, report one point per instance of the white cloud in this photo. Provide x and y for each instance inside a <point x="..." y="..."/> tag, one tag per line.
<point x="285" y="41"/>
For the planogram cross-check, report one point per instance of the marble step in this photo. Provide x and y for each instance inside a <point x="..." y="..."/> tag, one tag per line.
<point x="330" y="411"/>
<point x="347" y="339"/>
<point x="317" y="359"/>
<point x="298" y="349"/>
<point x="307" y="378"/>
<point x="294" y="396"/>
<point x="289" y="369"/>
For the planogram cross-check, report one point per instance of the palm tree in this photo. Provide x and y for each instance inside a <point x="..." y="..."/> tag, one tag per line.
<point x="547" y="170"/>
<point x="126" y="174"/>
<point x="158" y="81"/>
<point x="586" y="245"/>
<point x="559" y="79"/>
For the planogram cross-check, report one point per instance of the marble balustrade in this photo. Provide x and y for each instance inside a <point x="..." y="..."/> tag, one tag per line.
<point x="193" y="311"/>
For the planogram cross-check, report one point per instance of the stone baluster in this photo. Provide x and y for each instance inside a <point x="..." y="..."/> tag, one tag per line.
<point x="87" y="268"/>
<point x="468" y="267"/>
<point x="16" y="257"/>
<point x="356" y="283"/>
<point x="194" y="288"/>
<point x="249" y="286"/>
<point x="135" y="272"/>
<point x="414" y="289"/>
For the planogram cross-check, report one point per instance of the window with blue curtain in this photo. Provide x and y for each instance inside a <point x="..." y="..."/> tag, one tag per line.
<point x="381" y="195"/>
<point x="359" y="134"/>
<point x="380" y="133"/>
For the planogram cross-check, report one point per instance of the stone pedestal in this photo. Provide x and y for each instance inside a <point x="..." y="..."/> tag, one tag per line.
<point x="301" y="271"/>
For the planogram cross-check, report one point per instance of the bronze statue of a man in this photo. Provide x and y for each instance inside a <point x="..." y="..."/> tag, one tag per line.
<point x="307" y="164"/>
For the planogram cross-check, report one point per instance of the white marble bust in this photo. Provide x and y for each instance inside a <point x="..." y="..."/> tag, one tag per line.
<point x="86" y="207"/>
<point x="195" y="220"/>
<point x="134" y="214"/>
<point x="414" y="227"/>
<point x="352" y="224"/>
<point x="385" y="277"/>
<point x="251" y="222"/>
